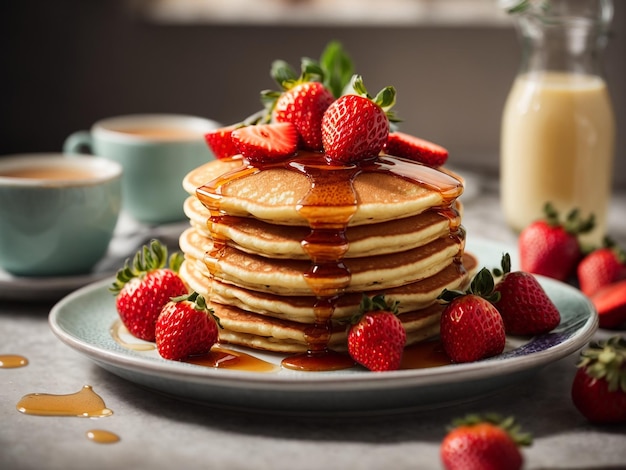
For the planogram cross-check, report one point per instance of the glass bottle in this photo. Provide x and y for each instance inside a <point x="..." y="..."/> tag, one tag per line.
<point x="558" y="127"/>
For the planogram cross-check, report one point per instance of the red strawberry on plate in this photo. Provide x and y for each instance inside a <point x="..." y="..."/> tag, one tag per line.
<point x="186" y="327"/>
<point x="145" y="286"/>
<point x="221" y="143"/>
<point x="471" y="327"/>
<point x="355" y="127"/>
<point x="266" y="142"/>
<point x="601" y="267"/>
<point x="610" y="302"/>
<point x="524" y="305"/>
<point x="304" y="105"/>
<point x="550" y="247"/>
<point x="599" y="386"/>
<point x="376" y="337"/>
<point x="483" y="443"/>
<point x="414" y="148"/>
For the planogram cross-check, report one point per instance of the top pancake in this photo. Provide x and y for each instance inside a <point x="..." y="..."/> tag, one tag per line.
<point x="389" y="189"/>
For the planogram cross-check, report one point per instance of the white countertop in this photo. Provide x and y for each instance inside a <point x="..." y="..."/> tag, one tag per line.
<point x="158" y="432"/>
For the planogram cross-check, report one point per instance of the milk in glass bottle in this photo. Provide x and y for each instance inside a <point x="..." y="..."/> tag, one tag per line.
<point x="558" y="128"/>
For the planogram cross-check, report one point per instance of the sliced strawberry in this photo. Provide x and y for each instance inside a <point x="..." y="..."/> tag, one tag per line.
<point x="610" y="302"/>
<point x="414" y="148"/>
<point x="221" y="143"/>
<point x="266" y="142"/>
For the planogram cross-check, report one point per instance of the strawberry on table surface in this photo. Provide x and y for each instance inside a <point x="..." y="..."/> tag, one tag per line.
<point x="414" y="148"/>
<point x="471" y="327"/>
<point x="266" y="142"/>
<point x="610" y="302"/>
<point x="376" y="337"/>
<point x="186" y="327"/>
<point x="599" y="386"/>
<point x="355" y="126"/>
<point x="524" y="305"/>
<point x="601" y="267"/>
<point x="551" y="247"/>
<point x="145" y="286"/>
<point x="483" y="443"/>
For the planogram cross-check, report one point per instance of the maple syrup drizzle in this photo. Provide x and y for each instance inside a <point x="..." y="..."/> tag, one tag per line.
<point x="326" y="244"/>
<point x="424" y="355"/>
<point x="118" y="328"/>
<point x="85" y="404"/>
<point x="102" y="436"/>
<point x="12" y="361"/>
<point x="221" y="358"/>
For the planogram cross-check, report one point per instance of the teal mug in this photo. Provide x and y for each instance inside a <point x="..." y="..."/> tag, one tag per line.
<point x="156" y="152"/>
<point x="57" y="213"/>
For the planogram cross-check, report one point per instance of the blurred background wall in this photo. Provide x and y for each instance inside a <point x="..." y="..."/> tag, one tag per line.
<point x="68" y="63"/>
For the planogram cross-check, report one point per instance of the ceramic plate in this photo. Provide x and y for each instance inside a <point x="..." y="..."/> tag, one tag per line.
<point x="84" y="319"/>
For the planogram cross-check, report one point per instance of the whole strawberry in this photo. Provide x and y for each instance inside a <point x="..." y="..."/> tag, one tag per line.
<point x="376" y="337"/>
<point x="471" y="327"/>
<point x="599" y="386"/>
<point x="304" y="104"/>
<point x="601" y="267"/>
<point x="145" y="286"/>
<point x="186" y="327"/>
<point x="550" y="247"/>
<point x="524" y="305"/>
<point x="355" y="126"/>
<point x="610" y="302"/>
<point x="483" y="443"/>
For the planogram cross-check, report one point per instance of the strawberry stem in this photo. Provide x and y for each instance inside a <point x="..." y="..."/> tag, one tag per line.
<point x="507" y="424"/>
<point x="482" y="285"/>
<point x="606" y="360"/>
<point x="150" y="257"/>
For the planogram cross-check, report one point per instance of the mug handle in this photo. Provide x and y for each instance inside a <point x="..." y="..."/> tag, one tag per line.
<point x="79" y="142"/>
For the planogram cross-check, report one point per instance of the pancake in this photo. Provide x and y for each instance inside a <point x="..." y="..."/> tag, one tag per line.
<point x="285" y="251"/>
<point x="391" y="188"/>
<point x="244" y="328"/>
<point x="287" y="276"/>
<point x="411" y="297"/>
<point x="278" y="241"/>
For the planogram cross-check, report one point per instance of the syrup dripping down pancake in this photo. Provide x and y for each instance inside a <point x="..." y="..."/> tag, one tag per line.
<point x="286" y="276"/>
<point x="411" y="297"/>
<point x="279" y="241"/>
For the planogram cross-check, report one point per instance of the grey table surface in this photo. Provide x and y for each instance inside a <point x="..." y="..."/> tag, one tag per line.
<point x="159" y="432"/>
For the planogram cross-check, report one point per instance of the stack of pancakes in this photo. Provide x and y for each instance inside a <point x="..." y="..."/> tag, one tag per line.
<point x="285" y="251"/>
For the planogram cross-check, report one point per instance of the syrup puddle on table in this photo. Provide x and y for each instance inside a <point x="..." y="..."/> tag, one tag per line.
<point x="84" y="404"/>
<point x="100" y="436"/>
<point x="12" y="361"/>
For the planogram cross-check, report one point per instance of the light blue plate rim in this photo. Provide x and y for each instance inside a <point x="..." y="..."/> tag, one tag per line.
<point x="82" y="320"/>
